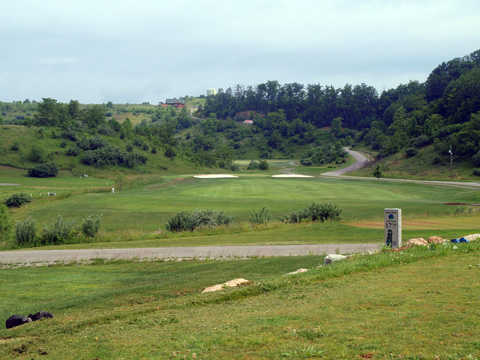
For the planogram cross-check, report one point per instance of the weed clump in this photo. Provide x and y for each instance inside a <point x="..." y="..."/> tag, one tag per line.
<point x="25" y="232"/>
<point x="261" y="216"/>
<point x="57" y="233"/>
<point x="189" y="221"/>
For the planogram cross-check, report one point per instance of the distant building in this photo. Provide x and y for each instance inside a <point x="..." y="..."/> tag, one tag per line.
<point x="211" y="92"/>
<point x="248" y="122"/>
<point x="179" y="104"/>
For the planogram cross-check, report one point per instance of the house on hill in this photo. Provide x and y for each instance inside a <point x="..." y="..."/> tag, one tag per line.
<point x="179" y="104"/>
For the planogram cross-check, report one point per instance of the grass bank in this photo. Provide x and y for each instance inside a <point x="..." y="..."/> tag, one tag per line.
<point x="420" y="304"/>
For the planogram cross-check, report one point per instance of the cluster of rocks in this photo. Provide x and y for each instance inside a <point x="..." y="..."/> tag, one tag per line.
<point x="17" y="320"/>
<point x="240" y="281"/>
<point x="440" y="240"/>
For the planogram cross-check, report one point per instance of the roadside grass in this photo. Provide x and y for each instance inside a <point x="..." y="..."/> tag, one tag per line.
<point x="418" y="304"/>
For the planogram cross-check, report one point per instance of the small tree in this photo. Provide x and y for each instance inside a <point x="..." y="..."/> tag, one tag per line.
<point x="170" y="153"/>
<point x="377" y="173"/>
<point x="44" y="170"/>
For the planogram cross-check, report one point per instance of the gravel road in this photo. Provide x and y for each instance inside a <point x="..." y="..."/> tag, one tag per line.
<point x="360" y="161"/>
<point x="42" y="257"/>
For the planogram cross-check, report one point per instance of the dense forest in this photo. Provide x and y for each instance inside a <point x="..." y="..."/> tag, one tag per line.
<point x="444" y="110"/>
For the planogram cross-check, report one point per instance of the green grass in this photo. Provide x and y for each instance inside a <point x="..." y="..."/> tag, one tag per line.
<point x="140" y="210"/>
<point x="419" y="304"/>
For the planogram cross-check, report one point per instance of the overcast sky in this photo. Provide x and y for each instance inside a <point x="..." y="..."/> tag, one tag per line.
<point x="146" y="50"/>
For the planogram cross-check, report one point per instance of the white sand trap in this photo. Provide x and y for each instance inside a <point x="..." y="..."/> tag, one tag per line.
<point x="291" y="176"/>
<point x="215" y="176"/>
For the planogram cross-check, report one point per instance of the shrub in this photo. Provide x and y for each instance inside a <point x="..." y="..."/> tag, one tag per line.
<point x="17" y="200"/>
<point x="306" y="162"/>
<point x="15" y="146"/>
<point x="5" y="223"/>
<point x="476" y="159"/>
<point x="37" y="154"/>
<point x="377" y="172"/>
<point x="476" y="172"/>
<point x="184" y="220"/>
<point x="73" y="151"/>
<point x="25" y="232"/>
<point x="421" y="141"/>
<point x="154" y="150"/>
<point x="170" y="153"/>
<point x="410" y="152"/>
<point x="261" y="216"/>
<point x="253" y="165"/>
<point x="44" y="170"/>
<point x="234" y="167"/>
<point x="90" y="226"/>
<point x="57" y="233"/>
<point x="263" y="165"/>
<point x="315" y="212"/>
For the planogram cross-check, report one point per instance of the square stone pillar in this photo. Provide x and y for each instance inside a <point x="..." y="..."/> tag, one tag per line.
<point x="393" y="228"/>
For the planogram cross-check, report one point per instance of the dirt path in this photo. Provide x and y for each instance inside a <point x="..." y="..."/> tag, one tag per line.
<point x="362" y="161"/>
<point x="7" y="184"/>
<point x="43" y="257"/>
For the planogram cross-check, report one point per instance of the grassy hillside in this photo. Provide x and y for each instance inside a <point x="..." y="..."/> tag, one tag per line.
<point x="418" y="304"/>
<point x="424" y="165"/>
<point x="17" y="143"/>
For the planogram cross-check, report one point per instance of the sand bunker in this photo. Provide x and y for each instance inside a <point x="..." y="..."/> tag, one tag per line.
<point x="291" y="176"/>
<point x="215" y="176"/>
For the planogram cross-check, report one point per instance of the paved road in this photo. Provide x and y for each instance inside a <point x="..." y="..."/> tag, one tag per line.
<point x="362" y="161"/>
<point x="29" y="257"/>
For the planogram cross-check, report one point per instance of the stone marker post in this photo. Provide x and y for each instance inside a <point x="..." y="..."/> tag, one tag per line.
<point x="393" y="228"/>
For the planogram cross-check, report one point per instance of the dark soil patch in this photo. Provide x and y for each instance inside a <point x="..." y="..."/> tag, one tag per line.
<point x="454" y="203"/>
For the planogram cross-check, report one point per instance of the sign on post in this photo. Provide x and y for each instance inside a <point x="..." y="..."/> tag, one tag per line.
<point x="393" y="228"/>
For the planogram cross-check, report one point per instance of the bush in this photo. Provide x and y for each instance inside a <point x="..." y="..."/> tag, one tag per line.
<point x="411" y="152"/>
<point x="57" y="233"/>
<point x="37" y="154"/>
<point x="377" y="173"/>
<point x="306" y="162"/>
<point x="234" y="167"/>
<point x="17" y="200"/>
<point x="5" y="223"/>
<point x="184" y="220"/>
<point x="421" y="141"/>
<point x="170" y="153"/>
<point x="15" y="146"/>
<point x="315" y="212"/>
<point x="73" y="151"/>
<point x="263" y="165"/>
<point x="44" y="170"/>
<point x="253" y="165"/>
<point x="476" y="159"/>
<point x="262" y="216"/>
<point x="90" y="226"/>
<point x="476" y="172"/>
<point x="25" y="232"/>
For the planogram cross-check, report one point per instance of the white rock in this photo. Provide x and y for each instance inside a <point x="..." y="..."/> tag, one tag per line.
<point x="299" y="271"/>
<point x="472" y="237"/>
<point x="334" y="257"/>
<point x="230" y="283"/>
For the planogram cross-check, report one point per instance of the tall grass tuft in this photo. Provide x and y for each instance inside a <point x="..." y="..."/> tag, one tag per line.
<point x="57" y="233"/>
<point x="260" y="217"/>
<point x="315" y="212"/>
<point x="25" y="232"/>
